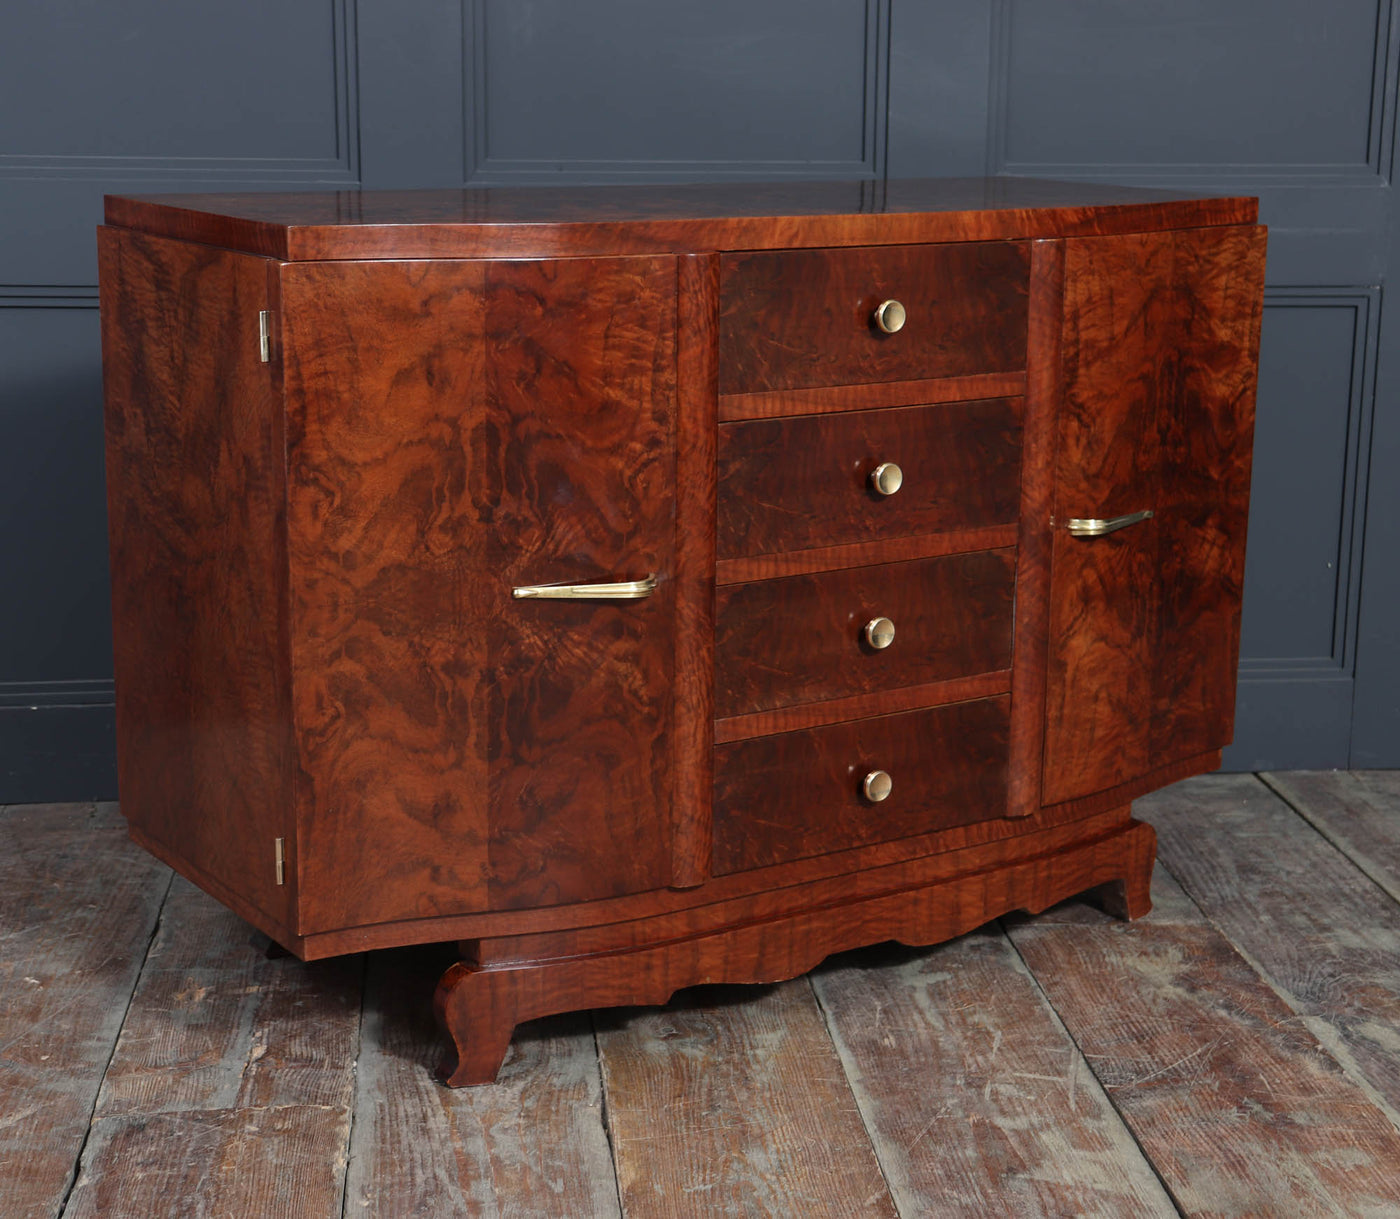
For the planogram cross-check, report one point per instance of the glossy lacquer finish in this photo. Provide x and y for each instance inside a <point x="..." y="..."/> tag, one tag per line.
<point x="802" y="638"/>
<point x="1161" y="340"/>
<point x="603" y="801"/>
<point x="457" y="430"/>
<point x="800" y="483"/>
<point x="804" y="318"/>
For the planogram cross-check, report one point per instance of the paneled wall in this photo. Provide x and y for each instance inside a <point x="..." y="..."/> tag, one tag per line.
<point x="1286" y="99"/>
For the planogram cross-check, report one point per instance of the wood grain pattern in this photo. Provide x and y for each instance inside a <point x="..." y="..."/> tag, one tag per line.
<point x="798" y="794"/>
<point x="531" y="221"/>
<point x="1242" y="1111"/>
<point x="792" y="484"/>
<point x="195" y="494"/>
<point x="1033" y="546"/>
<point x="697" y="374"/>
<point x="863" y="554"/>
<point x="881" y="702"/>
<point x="1355" y="811"/>
<point x="790" y="319"/>
<point x="768" y="1066"/>
<point x="231" y="1086"/>
<point x="980" y="1102"/>
<point x="826" y="399"/>
<point x="1324" y="942"/>
<point x="78" y="903"/>
<point x="534" y="1144"/>
<point x="800" y="639"/>
<point x="1157" y="412"/>
<point x="479" y="1005"/>
<point x="460" y="429"/>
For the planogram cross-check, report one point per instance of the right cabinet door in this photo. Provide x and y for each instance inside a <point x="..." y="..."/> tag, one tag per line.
<point x="1156" y="414"/>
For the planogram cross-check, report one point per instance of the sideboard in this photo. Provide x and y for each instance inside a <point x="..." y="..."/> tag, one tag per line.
<point x="650" y="586"/>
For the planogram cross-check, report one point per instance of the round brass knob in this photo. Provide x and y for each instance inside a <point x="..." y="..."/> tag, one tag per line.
<point x="876" y="786"/>
<point x="887" y="478"/>
<point x="879" y="633"/>
<point x="890" y="316"/>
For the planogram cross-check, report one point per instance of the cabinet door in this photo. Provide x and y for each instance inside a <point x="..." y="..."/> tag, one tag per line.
<point x="457" y="429"/>
<point x="1159" y="351"/>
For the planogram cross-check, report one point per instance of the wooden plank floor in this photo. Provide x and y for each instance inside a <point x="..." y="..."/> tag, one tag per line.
<point x="1235" y="1053"/>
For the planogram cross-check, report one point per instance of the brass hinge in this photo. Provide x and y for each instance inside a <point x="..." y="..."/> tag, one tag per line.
<point x="265" y="345"/>
<point x="279" y="855"/>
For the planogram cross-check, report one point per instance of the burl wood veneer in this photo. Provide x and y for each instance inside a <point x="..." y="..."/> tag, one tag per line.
<point x="352" y="437"/>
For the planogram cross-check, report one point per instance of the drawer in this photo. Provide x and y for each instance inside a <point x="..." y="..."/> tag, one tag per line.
<point x="795" y="319"/>
<point x="801" y="639"/>
<point x="792" y="484"/>
<point x="799" y="794"/>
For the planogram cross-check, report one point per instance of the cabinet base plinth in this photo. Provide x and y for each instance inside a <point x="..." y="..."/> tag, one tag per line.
<point x="479" y="1005"/>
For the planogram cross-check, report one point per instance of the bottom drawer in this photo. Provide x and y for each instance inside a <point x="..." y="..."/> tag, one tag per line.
<point x="799" y="794"/>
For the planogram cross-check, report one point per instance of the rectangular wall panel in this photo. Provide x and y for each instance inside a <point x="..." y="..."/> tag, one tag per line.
<point x="1085" y="87"/>
<point x="567" y="92"/>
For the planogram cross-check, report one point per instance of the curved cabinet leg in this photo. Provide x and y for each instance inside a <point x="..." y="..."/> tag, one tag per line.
<point x="478" y="1025"/>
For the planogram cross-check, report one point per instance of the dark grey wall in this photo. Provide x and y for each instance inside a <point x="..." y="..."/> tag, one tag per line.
<point x="1286" y="99"/>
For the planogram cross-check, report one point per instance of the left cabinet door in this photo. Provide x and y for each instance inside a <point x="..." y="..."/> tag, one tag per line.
<point x="458" y="429"/>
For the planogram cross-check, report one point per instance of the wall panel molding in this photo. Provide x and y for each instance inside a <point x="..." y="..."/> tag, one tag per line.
<point x="483" y="166"/>
<point x="1363" y="303"/>
<point x="1374" y="169"/>
<point x="340" y="165"/>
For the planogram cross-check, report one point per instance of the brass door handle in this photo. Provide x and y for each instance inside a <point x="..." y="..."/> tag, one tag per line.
<point x="1092" y="527"/>
<point x="628" y="590"/>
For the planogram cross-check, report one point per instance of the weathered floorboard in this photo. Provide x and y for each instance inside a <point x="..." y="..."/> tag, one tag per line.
<point x="78" y="902"/>
<point x="1002" y="1114"/>
<point x="532" y="1144"/>
<point x="1239" y="1107"/>
<point x="1357" y="810"/>
<point x="732" y="1101"/>
<point x="232" y="1083"/>
<point x="1324" y="935"/>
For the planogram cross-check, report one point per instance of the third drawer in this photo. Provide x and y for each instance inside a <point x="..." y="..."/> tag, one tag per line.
<point x="802" y="639"/>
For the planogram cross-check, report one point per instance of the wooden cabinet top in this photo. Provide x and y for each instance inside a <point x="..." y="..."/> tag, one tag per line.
<point x="543" y="221"/>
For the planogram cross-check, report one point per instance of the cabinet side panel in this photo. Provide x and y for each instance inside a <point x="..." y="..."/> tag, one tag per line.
<point x="1207" y="441"/>
<point x="196" y="493"/>
<point x="383" y="372"/>
<point x="1160" y="344"/>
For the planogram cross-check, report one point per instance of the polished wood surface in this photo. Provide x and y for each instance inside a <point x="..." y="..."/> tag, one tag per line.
<point x="869" y="396"/>
<point x="535" y="221"/>
<point x="696" y="372"/>
<point x="801" y="639"/>
<point x="479" y="1005"/>
<point x="798" y="794"/>
<point x="605" y="799"/>
<point x="1036" y="522"/>
<point x="464" y="750"/>
<point x="195" y="496"/>
<point x="793" y="319"/>
<point x="1157" y="411"/>
<point x="788" y="485"/>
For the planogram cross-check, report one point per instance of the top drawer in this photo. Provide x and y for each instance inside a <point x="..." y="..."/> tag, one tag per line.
<point x="796" y="319"/>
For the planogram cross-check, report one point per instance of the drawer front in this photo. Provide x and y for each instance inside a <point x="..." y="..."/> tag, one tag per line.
<point x="799" y="794"/>
<point x="801" y="639"/>
<point x="795" y="319"/>
<point x="792" y="484"/>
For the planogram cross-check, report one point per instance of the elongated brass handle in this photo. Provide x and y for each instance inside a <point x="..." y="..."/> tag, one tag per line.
<point x="629" y="590"/>
<point x="1092" y="527"/>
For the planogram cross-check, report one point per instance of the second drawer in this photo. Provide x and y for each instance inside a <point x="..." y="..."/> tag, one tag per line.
<point x="802" y="639"/>
<point x="792" y="484"/>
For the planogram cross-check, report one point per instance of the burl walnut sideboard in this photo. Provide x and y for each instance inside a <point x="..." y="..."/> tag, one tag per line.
<point x="653" y="586"/>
